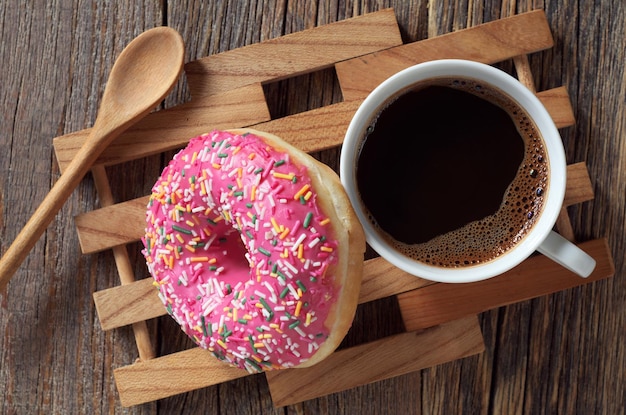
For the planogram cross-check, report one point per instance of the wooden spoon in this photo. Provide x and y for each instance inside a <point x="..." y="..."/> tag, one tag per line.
<point x="144" y="73"/>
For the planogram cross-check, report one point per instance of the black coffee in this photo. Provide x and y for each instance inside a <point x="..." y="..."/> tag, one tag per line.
<point x="452" y="173"/>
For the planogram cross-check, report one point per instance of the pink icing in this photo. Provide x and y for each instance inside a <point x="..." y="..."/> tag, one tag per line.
<point x="239" y="250"/>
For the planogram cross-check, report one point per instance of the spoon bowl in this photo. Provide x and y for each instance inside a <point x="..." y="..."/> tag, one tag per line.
<point x="144" y="73"/>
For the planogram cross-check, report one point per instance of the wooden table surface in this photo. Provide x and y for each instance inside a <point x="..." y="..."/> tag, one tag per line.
<point x="563" y="353"/>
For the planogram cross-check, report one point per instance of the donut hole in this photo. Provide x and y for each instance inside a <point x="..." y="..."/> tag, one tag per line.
<point x="229" y="252"/>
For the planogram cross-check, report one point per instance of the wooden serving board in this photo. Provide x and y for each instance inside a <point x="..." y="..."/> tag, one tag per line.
<point x="441" y="324"/>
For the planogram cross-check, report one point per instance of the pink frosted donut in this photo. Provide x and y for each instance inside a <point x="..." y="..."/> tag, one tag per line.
<point x="255" y="250"/>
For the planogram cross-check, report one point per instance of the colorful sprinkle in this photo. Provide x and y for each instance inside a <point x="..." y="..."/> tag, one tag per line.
<point x="221" y="191"/>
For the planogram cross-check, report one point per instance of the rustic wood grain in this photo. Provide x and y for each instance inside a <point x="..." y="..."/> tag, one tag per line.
<point x="55" y="60"/>
<point x="138" y="301"/>
<point x="325" y="127"/>
<point x="126" y="304"/>
<point x="561" y="353"/>
<point x="96" y="235"/>
<point x="173" y="374"/>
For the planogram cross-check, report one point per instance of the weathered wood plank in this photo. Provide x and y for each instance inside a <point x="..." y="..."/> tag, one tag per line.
<point x="127" y="304"/>
<point x="430" y="302"/>
<point x="557" y="103"/>
<point x="223" y="98"/>
<point x="315" y="130"/>
<point x="55" y="57"/>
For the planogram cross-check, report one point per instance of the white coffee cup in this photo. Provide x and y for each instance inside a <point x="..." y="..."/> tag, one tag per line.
<point x="540" y="238"/>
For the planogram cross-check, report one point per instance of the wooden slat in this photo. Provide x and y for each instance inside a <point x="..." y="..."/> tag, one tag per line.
<point x="381" y="279"/>
<point x="564" y="226"/>
<point x="524" y="72"/>
<point x="170" y="375"/>
<point x="172" y="128"/>
<point x="127" y="304"/>
<point x="111" y="226"/>
<point x="489" y="43"/>
<point x="381" y="359"/>
<point x="558" y="105"/>
<point x="578" y="188"/>
<point x="293" y="54"/>
<point x="98" y="232"/>
<point x="325" y="127"/>
<point x="314" y="130"/>
<point x="534" y="277"/>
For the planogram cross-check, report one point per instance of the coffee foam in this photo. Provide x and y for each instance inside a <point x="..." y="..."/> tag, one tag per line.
<point x="486" y="239"/>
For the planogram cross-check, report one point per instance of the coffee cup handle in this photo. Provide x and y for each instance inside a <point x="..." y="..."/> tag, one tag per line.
<point x="565" y="253"/>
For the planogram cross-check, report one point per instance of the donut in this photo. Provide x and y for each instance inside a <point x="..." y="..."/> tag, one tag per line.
<point x="255" y="250"/>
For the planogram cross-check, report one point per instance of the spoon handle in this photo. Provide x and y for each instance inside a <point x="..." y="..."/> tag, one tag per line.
<point x="52" y="203"/>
